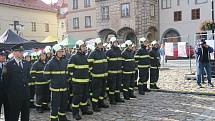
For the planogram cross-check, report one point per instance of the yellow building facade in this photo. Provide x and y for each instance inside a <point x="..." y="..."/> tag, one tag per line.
<point x="29" y="23"/>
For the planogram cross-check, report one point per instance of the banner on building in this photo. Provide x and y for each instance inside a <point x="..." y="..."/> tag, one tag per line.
<point x="169" y="49"/>
<point x="182" y="49"/>
<point x="211" y="43"/>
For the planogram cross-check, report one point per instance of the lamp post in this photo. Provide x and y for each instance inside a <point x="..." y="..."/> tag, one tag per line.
<point x="17" y="27"/>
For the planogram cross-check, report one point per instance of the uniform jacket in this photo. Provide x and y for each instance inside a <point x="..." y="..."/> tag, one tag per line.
<point x="128" y="63"/>
<point x="78" y="68"/>
<point x="98" y="63"/>
<point x="17" y="79"/>
<point x="154" y="57"/>
<point x="142" y="57"/>
<point x="56" y="72"/>
<point x="114" y="60"/>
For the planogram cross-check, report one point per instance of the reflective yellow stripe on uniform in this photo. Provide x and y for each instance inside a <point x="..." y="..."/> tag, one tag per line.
<point x="61" y="114"/>
<point x="131" y="88"/>
<point x="115" y="72"/>
<point x="117" y="91"/>
<point x="154" y="67"/>
<point x="112" y="59"/>
<point x="83" y="104"/>
<point x="130" y="72"/>
<point x="90" y="60"/>
<point x="99" y="75"/>
<point x="94" y="100"/>
<point x="70" y="65"/>
<point x="144" y="56"/>
<point x="58" y="72"/>
<point x="32" y="71"/>
<point x="111" y="93"/>
<point x="58" y="90"/>
<point x="100" y="61"/>
<point x="31" y="83"/>
<point x="53" y="117"/>
<point x="151" y="57"/>
<point x="125" y="90"/>
<point x="139" y="83"/>
<point x="47" y="72"/>
<point x="41" y="83"/>
<point x="129" y="59"/>
<point x="80" y="80"/>
<point x="75" y="106"/>
<point x="81" y="66"/>
<point x="101" y="98"/>
<point x="143" y="66"/>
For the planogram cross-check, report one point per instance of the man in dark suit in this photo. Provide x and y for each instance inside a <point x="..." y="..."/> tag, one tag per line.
<point x="16" y="77"/>
<point x="3" y="96"/>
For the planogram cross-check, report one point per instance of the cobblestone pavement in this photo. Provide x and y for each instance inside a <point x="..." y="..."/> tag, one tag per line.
<point x="168" y="104"/>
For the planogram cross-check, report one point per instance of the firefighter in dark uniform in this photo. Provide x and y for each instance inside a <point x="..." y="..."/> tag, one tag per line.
<point x="48" y="51"/>
<point x="114" y="72"/>
<point x="3" y="96"/>
<point x="143" y="60"/>
<point x="16" y="76"/>
<point x="56" y="72"/>
<point x="41" y="85"/>
<point x="79" y="71"/>
<point x="27" y="58"/>
<point x="134" y="48"/>
<point x="154" y="65"/>
<point x="98" y="70"/>
<point x="128" y="68"/>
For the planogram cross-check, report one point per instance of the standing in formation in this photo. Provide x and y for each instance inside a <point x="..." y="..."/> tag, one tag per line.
<point x="128" y="68"/>
<point x="143" y="62"/>
<point x="98" y="71"/>
<point x="73" y="83"/>
<point x="79" y="71"/>
<point x="114" y="72"/>
<point x="56" y="72"/>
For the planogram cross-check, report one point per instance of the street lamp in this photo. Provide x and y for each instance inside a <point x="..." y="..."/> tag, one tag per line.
<point x="17" y="27"/>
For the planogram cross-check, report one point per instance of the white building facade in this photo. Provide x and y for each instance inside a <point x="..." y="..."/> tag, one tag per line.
<point x="180" y="20"/>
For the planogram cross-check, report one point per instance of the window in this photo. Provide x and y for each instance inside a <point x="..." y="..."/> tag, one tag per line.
<point x="86" y="3"/>
<point x="201" y="1"/>
<point x="87" y="21"/>
<point x="75" y="4"/>
<point x="16" y="24"/>
<point x="62" y="25"/>
<point x="195" y="14"/>
<point x="33" y="27"/>
<point x="46" y="27"/>
<point x="125" y="10"/>
<point x="105" y="12"/>
<point x="178" y="2"/>
<point x="152" y="7"/>
<point x="75" y="23"/>
<point x="166" y="4"/>
<point x="177" y="16"/>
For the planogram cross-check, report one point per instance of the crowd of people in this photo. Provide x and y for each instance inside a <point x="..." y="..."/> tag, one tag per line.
<point x="60" y="81"/>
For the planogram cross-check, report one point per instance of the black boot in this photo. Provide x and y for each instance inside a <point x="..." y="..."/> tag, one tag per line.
<point x="45" y="107"/>
<point x="77" y="116"/>
<point x="126" y="95"/>
<point x="131" y="94"/>
<point x="39" y="109"/>
<point x="102" y="104"/>
<point x="145" y="89"/>
<point x="118" y="98"/>
<point x="140" y="89"/>
<point x="156" y="87"/>
<point x="95" y="107"/>
<point x="86" y="111"/>
<point x="63" y="118"/>
<point x="112" y="99"/>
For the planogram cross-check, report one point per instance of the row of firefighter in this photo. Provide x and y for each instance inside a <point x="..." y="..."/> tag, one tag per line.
<point x="68" y="80"/>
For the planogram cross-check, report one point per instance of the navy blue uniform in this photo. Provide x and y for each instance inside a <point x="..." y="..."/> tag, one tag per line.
<point x="143" y="61"/>
<point x="17" y="88"/>
<point x="56" y="72"/>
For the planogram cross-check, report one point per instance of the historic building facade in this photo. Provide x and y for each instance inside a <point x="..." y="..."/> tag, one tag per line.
<point x="127" y="19"/>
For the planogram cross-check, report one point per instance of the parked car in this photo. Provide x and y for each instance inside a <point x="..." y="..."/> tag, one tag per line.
<point x="175" y="52"/>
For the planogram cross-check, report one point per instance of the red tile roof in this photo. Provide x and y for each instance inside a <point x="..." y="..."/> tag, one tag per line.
<point x="60" y="4"/>
<point x="29" y="4"/>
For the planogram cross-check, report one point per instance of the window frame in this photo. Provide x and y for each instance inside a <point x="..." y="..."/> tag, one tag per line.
<point x="125" y="16"/>
<point x="90" y="20"/>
